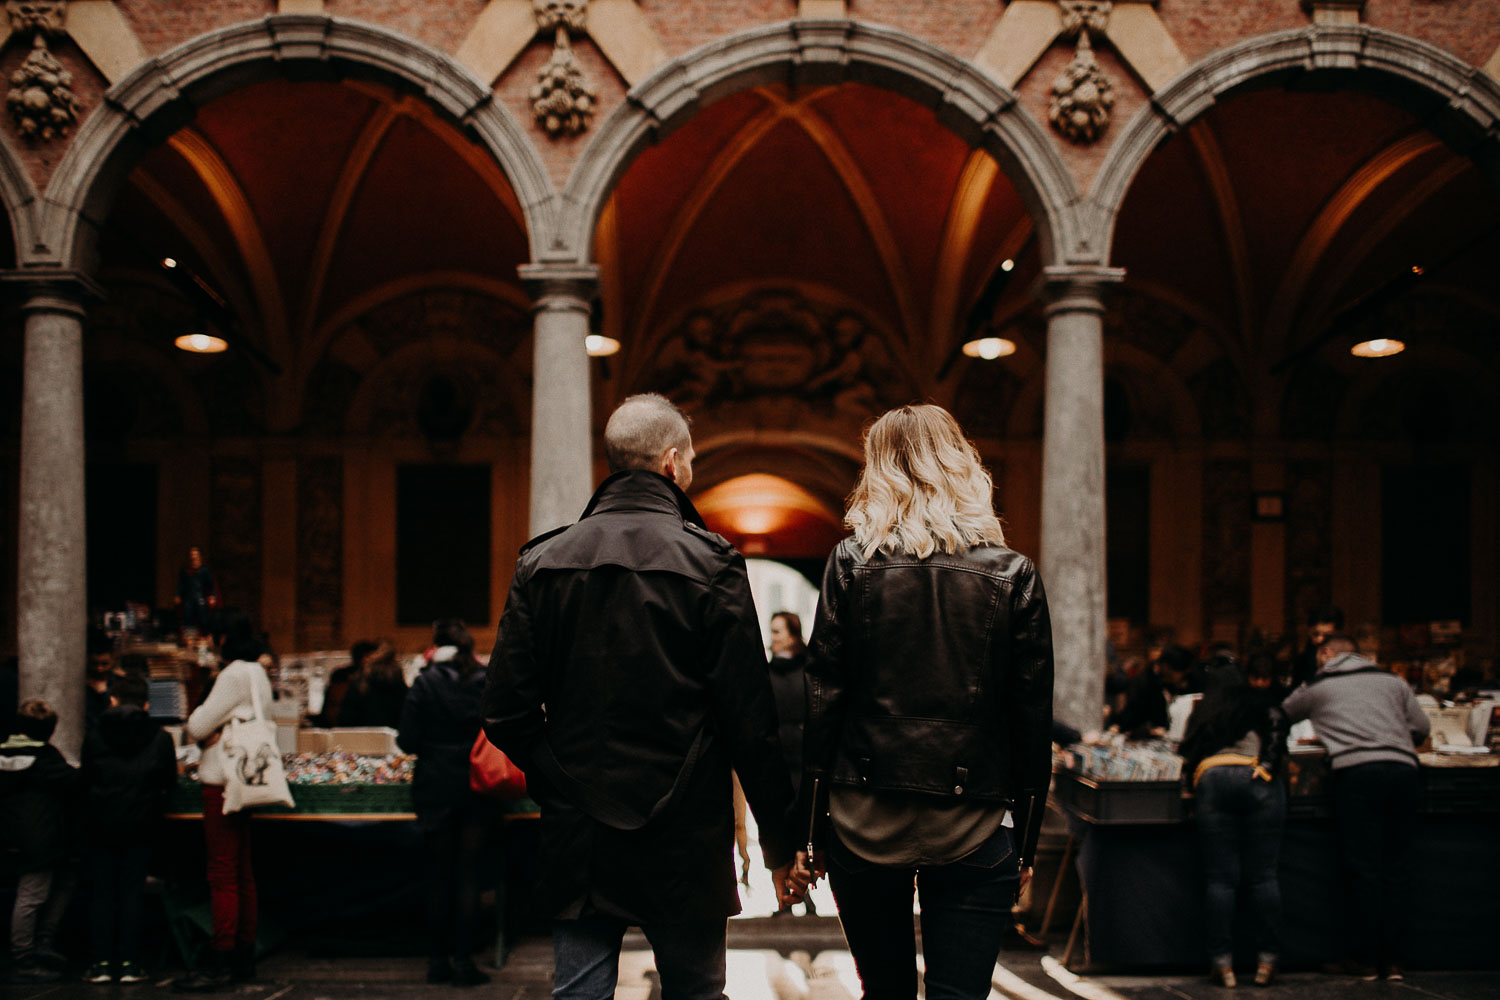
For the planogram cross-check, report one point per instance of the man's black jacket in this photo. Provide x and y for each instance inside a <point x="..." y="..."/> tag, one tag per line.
<point x="934" y="676"/>
<point x="627" y="678"/>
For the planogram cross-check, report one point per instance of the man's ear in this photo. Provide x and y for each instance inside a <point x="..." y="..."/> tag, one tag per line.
<point x="669" y="464"/>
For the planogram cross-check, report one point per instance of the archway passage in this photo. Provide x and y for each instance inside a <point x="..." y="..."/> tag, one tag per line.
<point x="1287" y="222"/>
<point x="770" y="517"/>
<point x="357" y="251"/>
<point x="791" y="262"/>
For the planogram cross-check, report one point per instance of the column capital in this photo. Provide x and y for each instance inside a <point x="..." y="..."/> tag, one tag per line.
<point x="560" y="287"/>
<point x="1076" y="287"/>
<point x="53" y="289"/>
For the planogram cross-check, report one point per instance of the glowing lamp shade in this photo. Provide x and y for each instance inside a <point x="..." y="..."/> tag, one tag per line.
<point x="1380" y="347"/>
<point x="990" y="348"/>
<point x="599" y="346"/>
<point x="201" y="343"/>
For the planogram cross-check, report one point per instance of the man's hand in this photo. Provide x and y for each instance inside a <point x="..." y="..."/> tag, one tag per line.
<point x="791" y="883"/>
<point x="1025" y="881"/>
<point x="809" y="874"/>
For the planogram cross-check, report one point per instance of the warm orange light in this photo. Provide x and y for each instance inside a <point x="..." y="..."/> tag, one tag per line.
<point x="759" y="504"/>
<point x="1380" y="347"/>
<point x="599" y="346"/>
<point x="201" y="343"/>
<point x="990" y="348"/>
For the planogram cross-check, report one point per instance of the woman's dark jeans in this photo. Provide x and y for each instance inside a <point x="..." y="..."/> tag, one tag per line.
<point x="455" y="856"/>
<point x="1240" y="819"/>
<point x="117" y="909"/>
<point x="965" y="911"/>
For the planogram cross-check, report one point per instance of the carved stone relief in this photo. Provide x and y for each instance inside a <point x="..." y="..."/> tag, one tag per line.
<point x="1082" y="96"/>
<point x="778" y="359"/>
<point x="563" y="98"/>
<point x="41" y="98"/>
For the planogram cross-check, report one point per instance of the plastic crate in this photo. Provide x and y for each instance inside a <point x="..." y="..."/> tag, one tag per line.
<point x="1110" y="803"/>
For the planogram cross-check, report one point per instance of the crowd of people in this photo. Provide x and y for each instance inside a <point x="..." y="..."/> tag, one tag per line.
<point x="1233" y="720"/>
<point x="904" y="749"/>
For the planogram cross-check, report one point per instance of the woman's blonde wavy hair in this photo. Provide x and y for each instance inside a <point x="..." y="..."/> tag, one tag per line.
<point x="923" y="488"/>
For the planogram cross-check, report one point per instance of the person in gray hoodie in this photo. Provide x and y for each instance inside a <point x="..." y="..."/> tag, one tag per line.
<point x="1371" y="724"/>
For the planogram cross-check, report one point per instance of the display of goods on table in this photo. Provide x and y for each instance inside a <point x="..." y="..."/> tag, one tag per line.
<point x="333" y="782"/>
<point x="1122" y="782"/>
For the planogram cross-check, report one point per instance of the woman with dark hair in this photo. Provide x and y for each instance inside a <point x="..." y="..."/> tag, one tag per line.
<point x="929" y="680"/>
<point x="439" y="722"/>
<point x="1233" y="748"/>
<point x="375" y="692"/>
<point x="231" y="879"/>
<point x="789" y="687"/>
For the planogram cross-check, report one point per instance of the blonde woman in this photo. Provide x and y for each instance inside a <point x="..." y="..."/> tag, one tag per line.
<point x="929" y="686"/>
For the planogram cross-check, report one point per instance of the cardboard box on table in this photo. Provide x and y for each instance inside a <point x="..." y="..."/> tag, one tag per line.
<point x="368" y="741"/>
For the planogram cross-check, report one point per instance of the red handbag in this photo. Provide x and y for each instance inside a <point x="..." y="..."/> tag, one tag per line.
<point x="493" y="774"/>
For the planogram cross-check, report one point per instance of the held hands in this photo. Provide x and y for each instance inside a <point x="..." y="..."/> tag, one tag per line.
<point x="793" y="879"/>
<point x="1025" y="881"/>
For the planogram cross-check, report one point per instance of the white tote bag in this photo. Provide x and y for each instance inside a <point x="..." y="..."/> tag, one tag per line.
<point x="254" y="775"/>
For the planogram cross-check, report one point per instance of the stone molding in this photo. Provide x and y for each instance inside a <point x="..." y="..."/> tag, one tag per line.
<point x="1069" y="288"/>
<point x="560" y="287"/>
<point x="1471" y="96"/>
<point x="966" y="100"/>
<point x="53" y="290"/>
<point x="161" y="94"/>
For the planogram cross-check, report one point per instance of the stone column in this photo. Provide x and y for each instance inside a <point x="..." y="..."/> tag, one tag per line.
<point x="562" y="468"/>
<point x="52" y="608"/>
<point x="1072" y="559"/>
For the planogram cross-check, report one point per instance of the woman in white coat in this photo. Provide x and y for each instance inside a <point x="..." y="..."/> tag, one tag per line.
<point x="231" y="879"/>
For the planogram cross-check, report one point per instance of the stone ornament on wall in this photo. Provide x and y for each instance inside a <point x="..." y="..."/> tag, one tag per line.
<point x="778" y="358"/>
<point x="563" y="99"/>
<point x="1082" y="96"/>
<point x="41" y="96"/>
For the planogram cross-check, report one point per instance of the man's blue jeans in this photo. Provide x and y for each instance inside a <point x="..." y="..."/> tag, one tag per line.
<point x="1240" y="820"/>
<point x="586" y="958"/>
<point x="965" y="911"/>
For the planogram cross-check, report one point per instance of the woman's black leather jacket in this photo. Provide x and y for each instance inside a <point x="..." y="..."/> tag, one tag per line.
<point x="934" y="676"/>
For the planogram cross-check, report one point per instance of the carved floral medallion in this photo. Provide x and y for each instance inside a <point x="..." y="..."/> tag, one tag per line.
<point x="41" y="98"/>
<point x="563" y="99"/>
<point x="1082" y="96"/>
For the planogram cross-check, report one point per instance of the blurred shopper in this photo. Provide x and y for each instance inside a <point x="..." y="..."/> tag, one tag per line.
<point x="231" y="877"/>
<point x="1148" y="694"/>
<point x="38" y="790"/>
<point x="129" y="768"/>
<point x="627" y="681"/>
<point x="338" y="680"/>
<point x="439" y="721"/>
<point x="1235" y="743"/>
<point x="198" y="598"/>
<point x="1371" y="724"/>
<point x="376" y="693"/>
<point x="1321" y="623"/>
<point x="929" y="713"/>
<point x="789" y="687"/>
<point x="101" y="668"/>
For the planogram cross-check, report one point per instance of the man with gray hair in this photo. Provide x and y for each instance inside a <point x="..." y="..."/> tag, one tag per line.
<point x="627" y="680"/>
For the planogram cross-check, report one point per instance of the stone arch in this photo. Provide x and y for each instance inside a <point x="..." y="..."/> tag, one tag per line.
<point x="1465" y="101"/>
<point x="973" y="105"/>
<point x="21" y="199"/>
<point x="160" y="95"/>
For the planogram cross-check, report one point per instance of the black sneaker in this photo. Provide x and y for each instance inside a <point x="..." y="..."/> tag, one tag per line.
<point x="131" y="972"/>
<point x="98" y="973"/>
<point x="466" y="973"/>
<point x="439" y="971"/>
<point x="29" y="970"/>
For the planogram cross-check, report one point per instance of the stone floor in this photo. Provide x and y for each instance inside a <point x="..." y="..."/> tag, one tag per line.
<point x="770" y="959"/>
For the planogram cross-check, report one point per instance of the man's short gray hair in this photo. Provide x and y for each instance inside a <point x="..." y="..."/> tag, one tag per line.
<point x="642" y="429"/>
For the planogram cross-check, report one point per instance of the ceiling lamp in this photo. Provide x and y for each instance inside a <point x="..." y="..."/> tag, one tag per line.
<point x="990" y="348"/>
<point x="599" y="346"/>
<point x="1380" y="347"/>
<point x="201" y="343"/>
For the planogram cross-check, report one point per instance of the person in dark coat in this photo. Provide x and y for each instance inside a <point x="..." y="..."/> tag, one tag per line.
<point x="789" y="686"/>
<point x="38" y="790"/>
<point x="129" y="768"/>
<point x="1144" y="712"/>
<point x="376" y="693"/>
<point x="628" y="679"/>
<point x="440" y="720"/>
<point x="929" y="714"/>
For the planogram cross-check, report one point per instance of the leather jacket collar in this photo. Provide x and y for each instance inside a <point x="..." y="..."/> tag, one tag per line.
<point x="642" y="489"/>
